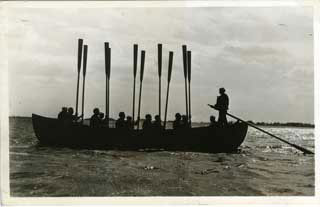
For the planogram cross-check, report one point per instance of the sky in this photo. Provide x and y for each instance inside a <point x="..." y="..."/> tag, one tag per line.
<point x="262" y="56"/>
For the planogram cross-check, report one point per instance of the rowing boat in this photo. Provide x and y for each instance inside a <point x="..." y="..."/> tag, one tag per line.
<point x="52" y="132"/>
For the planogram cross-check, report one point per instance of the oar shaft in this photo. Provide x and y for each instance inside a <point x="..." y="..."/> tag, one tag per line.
<point x="85" y="54"/>
<point x="160" y="97"/>
<point x="139" y="106"/>
<point x="134" y="98"/>
<point x="166" y="109"/>
<point x="77" y="98"/>
<point x="168" y="87"/>
<point x="109" y="75"/>
<point x="80" y="46"/>
<point x="159" y="74"/>
<point x="135" y="60"/>
<point x="141" y="81"/>
<point x="304" y="150"/>
<point x="185" y="72"/>
<point x="83" y="90"/>
<point x="189" y="81"/>
<point x="106" y="59"/>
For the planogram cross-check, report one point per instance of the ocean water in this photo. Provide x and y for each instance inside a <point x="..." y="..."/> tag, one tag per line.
<point x="263" y="166"/>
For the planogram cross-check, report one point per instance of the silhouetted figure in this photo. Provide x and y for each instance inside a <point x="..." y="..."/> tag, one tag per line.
<point x="185" y="123"/>
<point x="177" y="122"/>
<point x="63" y="113"/>
<point x="121" y="123"/>
<point x="212" y="121"/>
<point x="95" y="120"/>
<point x="101" y="117"/>
<point x="129" y="122"/>
<point x="222" y="105"/>
<point x="157" y="122"/>
<point x="147" y="124"/>
<point x="70" y="117"/>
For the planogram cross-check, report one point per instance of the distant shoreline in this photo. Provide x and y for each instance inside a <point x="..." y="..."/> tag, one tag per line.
<point x="266" y="124"/>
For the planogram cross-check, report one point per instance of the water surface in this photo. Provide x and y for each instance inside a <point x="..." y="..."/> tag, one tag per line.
<point x="263" y="166"/>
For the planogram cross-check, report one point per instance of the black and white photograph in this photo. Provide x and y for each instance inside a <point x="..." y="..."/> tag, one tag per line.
<point x="159" y="100"/>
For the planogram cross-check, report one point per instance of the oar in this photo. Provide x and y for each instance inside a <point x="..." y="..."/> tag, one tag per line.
<point x="107" y="69"/>
<point x="189" y="80"/>
<point x="185" y="72"/>
<point x="135" y="60"/>
<point x="80" y="45"/>
<point x="304" y="150"/>
<point x="85" y="53"/>
<point x="168" y="87"/>
<point x="159" y="74"/>
<point x="141" y="79"/>
<point x="109" y="75"/>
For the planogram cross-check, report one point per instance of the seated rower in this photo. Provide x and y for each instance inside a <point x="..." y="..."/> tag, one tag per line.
<point x="95" y="121"/>
<point x="157" y="122"/>
<point x="212" y="121"/>
<point x="185" y="123"/>
<point x="147" y="124"/>
<point x="121" y="123"/>
<point x="177" y="121"/>
<point x="129" y="122"/>
<point x="101" y="117"/>
<point x="71" y="117"/>
<point x="63" y="113"/>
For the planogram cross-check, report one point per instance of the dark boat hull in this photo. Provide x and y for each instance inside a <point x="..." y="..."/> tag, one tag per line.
<point x="51" y="132"/>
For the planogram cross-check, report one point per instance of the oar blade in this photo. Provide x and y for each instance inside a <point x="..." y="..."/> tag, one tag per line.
<point x="159" y="59"/>
<point x="142" y="64"/>
<point x="80" y="46"/>
<point x="170" y="65"/>
<point x="106" y="56"/>
<point x="109" y="63"/>
<point x="85" y="54"/>
<point x="184" y="57"/>
<point x="135" y="59"/>
<point x="189" y="66"/>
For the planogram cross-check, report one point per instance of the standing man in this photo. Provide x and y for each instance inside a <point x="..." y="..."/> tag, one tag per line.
<point x="222" y="105"/>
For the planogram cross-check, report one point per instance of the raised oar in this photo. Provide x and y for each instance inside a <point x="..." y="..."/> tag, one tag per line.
<point x="302" y="149"/>
<point x="80" y="45"/>
<point x="85" y="53"/>
<point x="141" y="79"/>
<point x="109" y="75"/>
<point x="168" y="87"/>
<point x="159" y="74"/>
<point x="135" y="60"/>
<point x="185" y="72"/>
<point x="189" y="80"/>
<point x="107" y="69"/>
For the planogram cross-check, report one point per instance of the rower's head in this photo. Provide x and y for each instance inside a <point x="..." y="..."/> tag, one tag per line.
<point x="157" y="117"/>
<point x="212" y="119"/>
<point x="101" y="115"/>
<point x="148" y="117"/>
<point x="122" y="115"/>
<point x="178" y="116"/>
<point x="96" y="111"/>
<point x="64" y="109"/>
<point x="184" y="118"/>
<point x="222" y="90"/>
<point x="129" y="118"/>
<point x="70" y="110"/>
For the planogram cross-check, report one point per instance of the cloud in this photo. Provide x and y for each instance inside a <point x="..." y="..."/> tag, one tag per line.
<point x="267" y="69"/>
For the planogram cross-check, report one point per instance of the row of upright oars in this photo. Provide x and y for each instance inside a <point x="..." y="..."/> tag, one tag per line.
<point x="85" y="53"/>
<point x="107" y="52"/>
<point x="135" y="61"/>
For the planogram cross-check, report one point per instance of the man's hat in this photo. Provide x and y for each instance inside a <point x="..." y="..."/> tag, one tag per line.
<point x="222" y="89"/>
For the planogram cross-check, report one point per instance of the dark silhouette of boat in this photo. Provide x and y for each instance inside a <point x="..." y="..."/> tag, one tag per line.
<point x="52" y="132"/>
